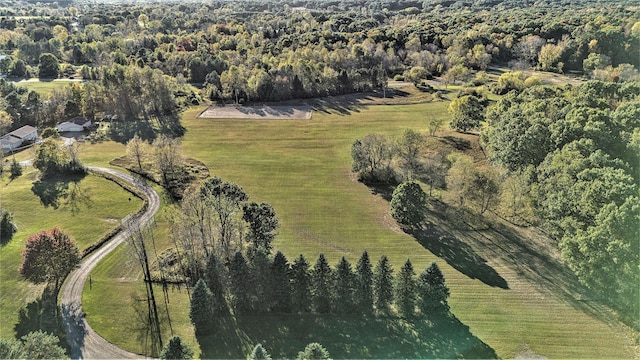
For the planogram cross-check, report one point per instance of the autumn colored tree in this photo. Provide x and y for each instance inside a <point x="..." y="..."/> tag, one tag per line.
<point x="49" y="256"/>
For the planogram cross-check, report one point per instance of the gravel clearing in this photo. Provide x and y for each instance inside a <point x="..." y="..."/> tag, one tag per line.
<point x="258" y="112"/>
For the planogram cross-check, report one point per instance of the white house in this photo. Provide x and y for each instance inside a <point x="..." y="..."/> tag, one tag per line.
<point x="78" y="123"/>
<point x="16" y="138"/>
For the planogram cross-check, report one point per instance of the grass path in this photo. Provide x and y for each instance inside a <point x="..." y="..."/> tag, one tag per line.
<point x="504" y="282"/>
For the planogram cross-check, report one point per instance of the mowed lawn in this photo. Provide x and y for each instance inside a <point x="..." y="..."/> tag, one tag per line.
<point x="86" y="208"/>
<point x="302" y="168"/>
<point x="44" y="87"/>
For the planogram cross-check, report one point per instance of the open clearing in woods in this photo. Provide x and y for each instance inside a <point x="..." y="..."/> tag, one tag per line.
<point x="273" y="112"/>
<point x="509" y="292"/>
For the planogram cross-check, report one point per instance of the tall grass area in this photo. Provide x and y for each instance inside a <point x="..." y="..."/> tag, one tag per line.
<point x="302" y="168"/>
<point x="86" y="208"/>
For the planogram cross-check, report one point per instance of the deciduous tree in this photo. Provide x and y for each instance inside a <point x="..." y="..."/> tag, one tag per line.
<point x="137" y="149"/>
<point x="49" y="256"/>
<point x="48" y="66"/>
<point x="409" y="148"/>
<point x="262" y="222"/>
<point x="466" y="113"/>
<point x="372" y="157"/>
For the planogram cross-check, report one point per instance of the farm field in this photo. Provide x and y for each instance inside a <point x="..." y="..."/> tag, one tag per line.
<point x="509" y="294"/>
<point x="86" y="208"/>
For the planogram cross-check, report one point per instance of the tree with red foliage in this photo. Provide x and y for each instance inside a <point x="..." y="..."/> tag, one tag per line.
<point x="49" y="256"/>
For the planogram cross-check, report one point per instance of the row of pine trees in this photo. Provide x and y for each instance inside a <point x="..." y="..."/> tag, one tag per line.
<point x="263" y="284"/>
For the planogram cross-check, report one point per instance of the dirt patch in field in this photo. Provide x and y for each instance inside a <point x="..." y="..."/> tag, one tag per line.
<point x="275" y="112"/>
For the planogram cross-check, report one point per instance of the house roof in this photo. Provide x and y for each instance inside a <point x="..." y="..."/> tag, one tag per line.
<point x="10" y="139"/>
<point x="78" y="120"/>
<point x="23" y="131"/>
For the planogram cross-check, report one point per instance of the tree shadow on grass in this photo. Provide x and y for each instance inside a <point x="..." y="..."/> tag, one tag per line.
<point x="457" y="254"/>
<point x="441" y="241"/>
<point x="41" y="314"/>
<point x="53" y="190"/>
<point x="123" y="131"/>
<point x="345" y="337"/>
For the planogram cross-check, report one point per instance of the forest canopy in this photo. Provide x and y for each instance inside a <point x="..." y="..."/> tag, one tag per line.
<point x="270" y="50"/>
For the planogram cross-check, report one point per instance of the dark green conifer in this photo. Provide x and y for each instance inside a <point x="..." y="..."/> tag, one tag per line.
<point x="321" y="286"/>
<point x="364" y="285"/>
<point x="344" y="287"/>
<point x="405" y="290"/>
<point x="300" y="285"/>
<point x="201" y="312"/>
<point x="240" y="283"/>
<point x="281" y="282"/>
<point x="432" y="291"/>
<point x="383" y="284"/>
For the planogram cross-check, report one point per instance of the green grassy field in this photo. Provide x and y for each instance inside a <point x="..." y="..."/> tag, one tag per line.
<point x="87" y="208"/>
<point x="44" y="87"/>
<point x="504" y="292"/>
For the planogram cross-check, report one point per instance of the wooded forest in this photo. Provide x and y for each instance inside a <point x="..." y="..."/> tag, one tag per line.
<point x="535" y="128"/>
<point x="271" y="50"/>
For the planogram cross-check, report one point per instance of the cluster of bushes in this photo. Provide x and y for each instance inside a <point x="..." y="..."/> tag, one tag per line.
<point x="273" y="285"/>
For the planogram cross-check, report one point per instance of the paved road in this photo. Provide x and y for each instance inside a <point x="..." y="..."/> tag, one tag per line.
<point x="85" y="343"/>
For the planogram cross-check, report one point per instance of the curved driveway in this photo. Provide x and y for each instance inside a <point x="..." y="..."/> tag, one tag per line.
<point x="84" y="342"/>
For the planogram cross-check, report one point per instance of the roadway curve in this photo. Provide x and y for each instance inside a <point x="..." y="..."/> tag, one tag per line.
<point x="86" y="343"/>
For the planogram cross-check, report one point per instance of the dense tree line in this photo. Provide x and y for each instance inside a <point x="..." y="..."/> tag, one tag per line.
<point x="576" y="151"/>
<point x="261" y="283"/>
<point x="217" y="217"/>
<point x="134" y="100"/>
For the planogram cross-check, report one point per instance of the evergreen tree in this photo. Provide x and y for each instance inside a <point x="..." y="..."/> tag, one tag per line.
<point x="364" y="285"/>
<point x="405" y="290"/>
<point x="344" y="287"/>
<point x="281" y="283"/>
<point x="176" y="349"/>
<point x="383" y="284"/>
<point x="262" y="283"/>
<point x="259" y="353"/>
<point x="213" y="279"/>
<point x="314" y="351"/>
<point x="201" y="313"/>
<point x="300" y="285"/>
<point x="432" y="291"/>
<point x="408" y="204"/>
<point x="240" y="283"/>
<point x="321" y="286"/>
